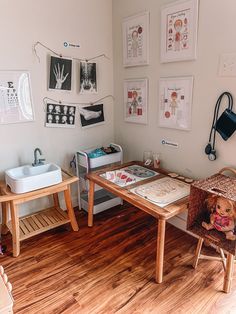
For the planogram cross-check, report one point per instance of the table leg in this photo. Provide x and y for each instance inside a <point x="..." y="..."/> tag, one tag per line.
<point x="15" y="229"/>
<point x="4" y="229"/>
<point x="160" y="250"/>
<point x="91" y="203"/>
<point x="228" y="273"/>
<point x="70" y="210"/>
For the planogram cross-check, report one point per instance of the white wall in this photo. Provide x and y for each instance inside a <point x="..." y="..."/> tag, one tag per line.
<point x="215" y="36"/>
<point x="22" y="24"/>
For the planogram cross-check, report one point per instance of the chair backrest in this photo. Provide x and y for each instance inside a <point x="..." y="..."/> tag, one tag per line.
<point x="229" y="169"/>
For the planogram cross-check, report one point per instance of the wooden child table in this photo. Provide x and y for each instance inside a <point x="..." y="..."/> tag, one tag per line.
<point x="28" y="226"/>
<point x="161" y="214"/>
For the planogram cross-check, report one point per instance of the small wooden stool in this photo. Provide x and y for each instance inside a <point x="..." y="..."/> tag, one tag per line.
<point x="228" y="263"/>
<point x="36" y="223"/>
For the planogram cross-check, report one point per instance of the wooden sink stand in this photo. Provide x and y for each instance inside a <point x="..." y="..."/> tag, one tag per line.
<point x="36" y="223"/>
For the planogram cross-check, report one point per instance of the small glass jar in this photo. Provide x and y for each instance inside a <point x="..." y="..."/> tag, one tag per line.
<point x="147" y="158"/>
<point x="156" y="160"/>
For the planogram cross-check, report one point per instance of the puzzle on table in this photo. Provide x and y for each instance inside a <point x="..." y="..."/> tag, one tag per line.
<point x="129" y="175"/>
<point x="162" y="191"/>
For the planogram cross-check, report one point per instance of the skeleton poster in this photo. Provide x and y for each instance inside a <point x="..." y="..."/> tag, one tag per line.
<point x="60" y="74"/>
<point x="60" y="116"/>
<point x="91" y="115"/>
<point x="88" y="78"/>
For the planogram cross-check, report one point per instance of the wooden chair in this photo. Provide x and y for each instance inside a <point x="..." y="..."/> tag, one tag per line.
<point x="6" y="299"/>
<point x="228" y="262"/>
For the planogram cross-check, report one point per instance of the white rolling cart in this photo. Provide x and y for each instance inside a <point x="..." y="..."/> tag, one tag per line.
<point x="103" y="199"/>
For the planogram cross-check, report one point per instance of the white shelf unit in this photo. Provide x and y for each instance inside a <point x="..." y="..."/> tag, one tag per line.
<point x="103" y="199"/>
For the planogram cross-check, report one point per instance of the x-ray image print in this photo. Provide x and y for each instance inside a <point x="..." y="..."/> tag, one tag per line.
<point x="91" y="115"/>
<point x="60" y="116"/>
<point x="60" y="74"/>
<point x="88" y="78"/>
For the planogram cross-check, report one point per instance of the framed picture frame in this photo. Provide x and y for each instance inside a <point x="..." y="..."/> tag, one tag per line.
<point x="91" y="115"/>
<point x="136" y="100"/>
<point x="179" y="23"/>
<point x="175" y="102"/>
<point x="60" y="116"/>
<point x="60" y="75"/>
<point x="88" y="78"/>
<point x="136" y="40"/>
<point x="15" y="97"/>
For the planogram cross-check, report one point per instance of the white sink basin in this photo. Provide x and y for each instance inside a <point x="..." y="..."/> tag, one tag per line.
<point x="28" y="178"/>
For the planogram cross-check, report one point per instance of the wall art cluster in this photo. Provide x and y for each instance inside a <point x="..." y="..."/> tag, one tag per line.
<point x="60" y="77"/>
<point x="179" y="21"/>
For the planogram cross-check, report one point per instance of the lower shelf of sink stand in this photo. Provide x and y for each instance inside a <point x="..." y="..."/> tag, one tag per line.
<point x="41" y="221"/>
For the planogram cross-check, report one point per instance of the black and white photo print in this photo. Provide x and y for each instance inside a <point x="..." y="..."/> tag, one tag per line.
<point x="60" y="74"/>
<point x="88" y="78"/>
<point x="60" y="116"/>
<point x="91" y="115"/>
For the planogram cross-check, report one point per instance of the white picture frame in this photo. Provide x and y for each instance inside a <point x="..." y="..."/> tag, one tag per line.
<point x="179" y="24"/>
<point x="175" y="102"/>
<point x="136" y="40"/>
<point x="136" y="100"/>
<point x="15" y="97"/>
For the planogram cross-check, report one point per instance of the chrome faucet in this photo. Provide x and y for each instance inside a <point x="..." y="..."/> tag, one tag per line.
<point x="38" y="161"/>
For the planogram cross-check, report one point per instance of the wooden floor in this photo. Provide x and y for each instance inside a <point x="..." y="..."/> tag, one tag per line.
<point x="110" y="269"/>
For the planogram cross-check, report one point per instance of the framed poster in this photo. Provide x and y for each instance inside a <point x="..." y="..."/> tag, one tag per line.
<point x="88" y="78"/>
<point x="135" y="100"/>
<point x="175" y="101"/>
<point x="15" y="97"/>
<point x="60" y="74"/>
<point x="60" y="116"/>
<point x="136" y="40"/>
<point x="179" y="31"/>
<point x="92" y="115"/>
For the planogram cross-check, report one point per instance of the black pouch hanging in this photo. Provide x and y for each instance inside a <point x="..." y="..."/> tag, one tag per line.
<point x="226" y="124"/>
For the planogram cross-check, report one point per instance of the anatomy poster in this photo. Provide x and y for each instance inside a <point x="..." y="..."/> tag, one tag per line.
<point x="91" y="115"/>
<point x="15" y="97"/>
<point x="135" y="100"/>
<point x="179" y="31"/>
<point x="60" y="116"/>
<point x="136" y="39"/>
<point x="175" y="101"/>
<point x="60" y="74"/>
<point x="88" y="78"/>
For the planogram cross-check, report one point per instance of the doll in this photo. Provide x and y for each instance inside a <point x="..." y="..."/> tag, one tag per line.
<point x="222" y="217"/>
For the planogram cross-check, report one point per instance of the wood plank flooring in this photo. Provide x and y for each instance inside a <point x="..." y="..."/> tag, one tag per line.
<point x="110" y="268"/>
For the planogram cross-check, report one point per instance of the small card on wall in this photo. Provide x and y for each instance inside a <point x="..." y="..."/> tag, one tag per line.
<point x="60" y="116"/>
<point x="91" y="115"/>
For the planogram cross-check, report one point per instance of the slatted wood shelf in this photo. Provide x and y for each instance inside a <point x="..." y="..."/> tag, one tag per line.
<point x="42" y="221"/>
